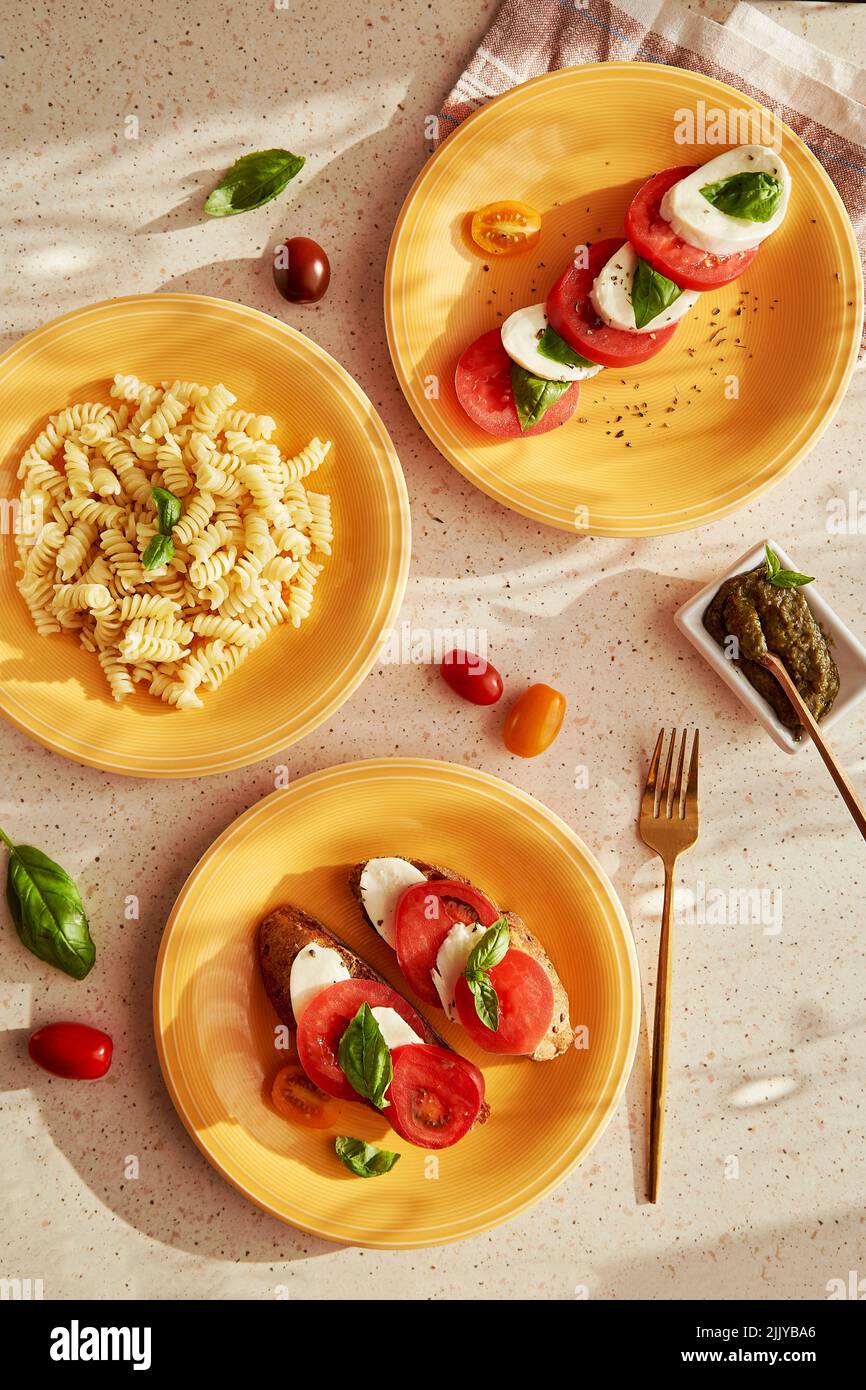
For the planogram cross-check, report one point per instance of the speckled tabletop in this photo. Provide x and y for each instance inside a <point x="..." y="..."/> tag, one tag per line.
<point x="765" y="1162"/>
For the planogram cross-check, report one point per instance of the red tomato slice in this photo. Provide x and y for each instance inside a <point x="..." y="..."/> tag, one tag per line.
<point x="571" y="315"/>
<point x="325" y="1021"/>
<point x="426" y="913"/>
<point x="656" y="241"/>
<point x="525" y="1006"/>
<point x="435" y="1095"/>
<point x="483" y="384"/>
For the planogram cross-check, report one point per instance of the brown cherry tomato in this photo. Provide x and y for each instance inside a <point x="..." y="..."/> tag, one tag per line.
<point x="534" y="720"/>
<point x="72" y="1050"/>
<point x="302" y="271"/>
<point x="471" y="677"/>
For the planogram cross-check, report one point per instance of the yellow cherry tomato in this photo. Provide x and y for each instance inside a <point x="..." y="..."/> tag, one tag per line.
<point x="534" y="720"/>
<point x="500" y="229"/>
<point x="297" y="1099"/>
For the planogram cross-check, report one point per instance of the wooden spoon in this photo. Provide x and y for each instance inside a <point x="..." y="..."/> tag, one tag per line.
<point x="847" y="792"/>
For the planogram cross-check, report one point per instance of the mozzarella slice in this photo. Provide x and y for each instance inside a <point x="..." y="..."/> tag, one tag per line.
<point x="451" y="962"/>
<point x="520" y="334"/>
<point x="394" y="1029"/>
<point x="612" y="290"/>
<point x="382" y="884"/>
<point x="313" y="969"/>
<point x="695" y="219"/>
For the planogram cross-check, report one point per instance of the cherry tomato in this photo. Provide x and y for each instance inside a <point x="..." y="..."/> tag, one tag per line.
<point x="302" y="271"/>
<point x="471" y="677"/>
<point x="525" y="1006"/>
<point x="296" y="1098"/>
<point x="534" y="720"/>
<point x="483" y="384"/>
<point x="500" y="229"/>
<point x="656" y="241"/>
<point x="426" y="913"/>
<point x="573" y="317"/>
<point x="73" y="1050"/>
<point x="435" y="1095"/>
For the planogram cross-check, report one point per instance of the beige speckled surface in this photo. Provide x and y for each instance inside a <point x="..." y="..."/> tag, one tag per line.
<point x="768" y="1031"/>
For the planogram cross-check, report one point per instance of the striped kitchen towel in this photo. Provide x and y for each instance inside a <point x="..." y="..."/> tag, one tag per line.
<point x="820" y="97"/>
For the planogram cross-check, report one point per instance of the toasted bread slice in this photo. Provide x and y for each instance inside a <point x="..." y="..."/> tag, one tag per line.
<point x="560" y="1035"/>
<point x="285" y="932"/>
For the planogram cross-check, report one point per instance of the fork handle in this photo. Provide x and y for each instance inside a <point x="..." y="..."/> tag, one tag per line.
<point x="661" y="1030"/>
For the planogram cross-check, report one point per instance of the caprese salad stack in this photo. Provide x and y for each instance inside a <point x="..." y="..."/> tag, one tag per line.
<point x="690" y="229"/>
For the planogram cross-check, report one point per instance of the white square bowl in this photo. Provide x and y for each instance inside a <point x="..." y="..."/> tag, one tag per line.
<point x="848" y="652"/>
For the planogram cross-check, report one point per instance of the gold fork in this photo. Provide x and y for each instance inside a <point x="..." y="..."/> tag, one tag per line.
<point x="669" y="828"/>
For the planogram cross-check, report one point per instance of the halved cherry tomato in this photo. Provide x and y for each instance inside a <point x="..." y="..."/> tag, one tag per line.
<point x="72" y="1050"/>
<point x="472" y="677"/>
<point x="325" y="1021"/>
<point x="426" y="913"/>
<point x="435" y="1095"/>
<point x="525" y="1006"/>
<point x="500" y="229"/>
<point x="297" y="1099"/>
<point x="656" y="241"/>
<point x="572" y="316"/>
<point x="483" y="384"/>
<point x="534" y="720"/>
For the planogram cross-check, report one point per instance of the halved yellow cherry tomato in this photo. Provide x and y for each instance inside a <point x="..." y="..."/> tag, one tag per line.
<point x="297" y="1099"/>
<point x="534" y="720"/>
<point x="500" y="229"/>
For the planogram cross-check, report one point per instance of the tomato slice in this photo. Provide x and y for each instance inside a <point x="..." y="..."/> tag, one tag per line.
<point x="435" y="1095"/>
<point x="296" y="1098"/>
<point x="572" y="316"/>
<point x="325" y="1021"/>
<point x="656" y="241"/>
<point x="500" y="229"/>
<point x="483" y="384"/>
<point x="525" y="1006"/>
<point x="426" y="913"/>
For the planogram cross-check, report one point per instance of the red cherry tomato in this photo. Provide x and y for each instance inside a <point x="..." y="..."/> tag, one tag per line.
<point x="302" y="271"/>
<point x="426" y="913"/>
<point x="72" y="1050"/>
<point x="656" y="241"/>
<point x="435" y="1095"/>
<point x="525" y="1006"/>
<point x="573" y="317"/>
<point x="483" y="384"/>
<point x="325" y="1021"/>
<point x="471" y="677"/>
<point x="534" y="720"/>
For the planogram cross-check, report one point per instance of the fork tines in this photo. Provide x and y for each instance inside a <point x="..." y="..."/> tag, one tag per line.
<point x="664" y="800"/>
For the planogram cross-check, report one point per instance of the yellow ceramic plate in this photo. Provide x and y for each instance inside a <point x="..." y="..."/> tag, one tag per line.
<point x="577" y="145"/>
<point x="54" y="691"/>
<point x="215" y="1027"/>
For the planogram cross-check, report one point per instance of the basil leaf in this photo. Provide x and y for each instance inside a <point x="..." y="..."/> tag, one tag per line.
<point x="252" y="181"/>
<point x="365" y="1059"/>
<point x="557" y="350"/>
<point x="47" y="910"/>
<point x="159" y="551"/>
<point x="784" y="579"/>
<point x="773" y="562"/>
<point x="650" y="293"/>
<point x="168" y="508"/>
<point x="753" y="197"/>
<point x="490" y="949"/>
<point x="366" y="1160"/>
<point x="486" y="1000"/>
<point x="533" y="396"/>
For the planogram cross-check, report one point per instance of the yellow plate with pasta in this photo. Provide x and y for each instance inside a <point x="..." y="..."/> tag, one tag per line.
<point x="214" y="1024"/>
<point x="205" y="535"/>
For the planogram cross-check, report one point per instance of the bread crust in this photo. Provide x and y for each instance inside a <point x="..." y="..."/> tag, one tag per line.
<point x="560" y="1035"/>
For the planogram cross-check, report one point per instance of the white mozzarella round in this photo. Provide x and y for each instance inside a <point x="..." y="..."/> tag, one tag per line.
<point x="394" y="1029"/>
<point x="451" y="962"/>
<point x="698" y="222"/>
<point x="383" y="883"/>
<point x="313" y="969"/>
<point x="612" y="290"/>
<point x="520" y="334"/>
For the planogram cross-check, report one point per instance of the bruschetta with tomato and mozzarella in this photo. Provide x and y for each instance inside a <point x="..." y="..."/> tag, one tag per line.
<point x="687" y="230"/>
<point x="360" y="1040"/>
<point x="459" y="951"/>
